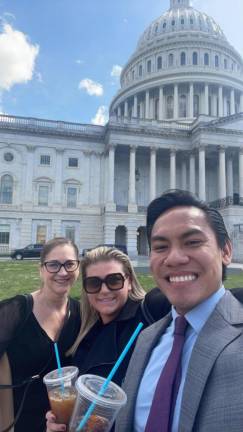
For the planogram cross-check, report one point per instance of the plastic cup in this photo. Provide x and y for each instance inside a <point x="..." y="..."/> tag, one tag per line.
<point x="62" y="392"/>
<point x="106" y="408"/>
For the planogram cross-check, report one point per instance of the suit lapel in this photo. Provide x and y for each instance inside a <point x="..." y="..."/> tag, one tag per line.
<point x="214" y="337"/>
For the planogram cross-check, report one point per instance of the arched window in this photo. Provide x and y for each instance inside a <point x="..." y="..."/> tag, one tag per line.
<point x="183" y="59"/>
<point x="195" y="106"/>
<point x="195" y="58"/>
<point x="182" y="106"/>
<point x="149" y="66"/>
<point x="216" y="61"/>
<point x="6" y="189"/>
<point x="140" y="70"/>
<point x="170" y="107"/>
<point x="206" y="59"/>
<point x="159" y="63"/>
<point x="171" y="60"/>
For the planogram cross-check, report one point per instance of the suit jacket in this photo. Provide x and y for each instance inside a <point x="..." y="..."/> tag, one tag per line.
<point x="212" y="398"/>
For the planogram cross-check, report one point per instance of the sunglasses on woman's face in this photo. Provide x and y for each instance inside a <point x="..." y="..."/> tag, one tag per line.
<point x="113" y="281"/>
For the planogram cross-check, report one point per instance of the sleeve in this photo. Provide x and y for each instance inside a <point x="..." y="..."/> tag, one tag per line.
<point x="155" y="306"/>
<point x="12" y="312"/>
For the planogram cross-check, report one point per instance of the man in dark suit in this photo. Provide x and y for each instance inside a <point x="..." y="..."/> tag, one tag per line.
<point x="190" y="250"/>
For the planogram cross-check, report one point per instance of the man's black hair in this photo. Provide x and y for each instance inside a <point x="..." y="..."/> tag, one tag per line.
<point x="181" y="198"/>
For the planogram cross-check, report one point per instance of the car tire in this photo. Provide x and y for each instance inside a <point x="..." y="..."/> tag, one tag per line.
<point x="18" y="256"/>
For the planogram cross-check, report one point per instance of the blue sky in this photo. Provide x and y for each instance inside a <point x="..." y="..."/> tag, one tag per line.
<point x="61" y="59"/>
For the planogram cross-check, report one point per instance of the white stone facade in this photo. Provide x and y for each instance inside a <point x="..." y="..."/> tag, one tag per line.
<point x="176" y="122"/>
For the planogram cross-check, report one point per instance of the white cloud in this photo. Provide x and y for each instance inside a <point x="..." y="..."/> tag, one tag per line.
<point x="116" y="71"/>
<point x="17" y="57"/>
<point x="80" y="62"/>
<point x="39" y="77"/>
<point x="101" y="117"/>
<point x="92" y="88"/>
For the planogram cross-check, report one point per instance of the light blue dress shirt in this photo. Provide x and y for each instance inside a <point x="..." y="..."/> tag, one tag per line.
<point x="196" y="318"/>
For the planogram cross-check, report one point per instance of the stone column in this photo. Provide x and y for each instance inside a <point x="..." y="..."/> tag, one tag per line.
<point x="214" y="105"/>
<point x="202" y="174"/>
<point x="152" y="173"/>
<point x="241" y="176"/>
<point x="241" y="102"/>
<point x="232" y="101"/>
<point x="58" y="176"/>
<point x="183" y="175"/>
<point x="229" y="185"/>
<point x="147" y="105"/>
<point x="119" y="112"/>
<point x="110" y="206"/>
<point x="29" y="175"/>
<point x="191" y="100"/>
<point x="135" y="106"/>
<point x="126" y="109"/>
<point x="161" y="100"/>
<point x="222" y="174"/>
<point x="172" y="169"/>
<point x="132" y="206"/>
<point x="221" y="102"/>
<point x="192" y="174"/>
<point x="175" y="116"/>
<point x="206" y="100"/>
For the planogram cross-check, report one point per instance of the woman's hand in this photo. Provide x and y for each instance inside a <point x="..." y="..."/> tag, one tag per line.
<point x="51" y="425"/>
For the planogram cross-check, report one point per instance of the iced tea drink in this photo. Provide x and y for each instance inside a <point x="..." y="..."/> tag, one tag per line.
<point x="62" y="392"/>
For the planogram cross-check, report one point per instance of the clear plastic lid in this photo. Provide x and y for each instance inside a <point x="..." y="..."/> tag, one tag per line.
<point x="54" y="377"/>
<point x="89" y="385"/>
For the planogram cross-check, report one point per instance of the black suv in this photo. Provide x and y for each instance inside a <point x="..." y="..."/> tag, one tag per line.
<point x="122" y="248"/>
<point x="30" y="251"/>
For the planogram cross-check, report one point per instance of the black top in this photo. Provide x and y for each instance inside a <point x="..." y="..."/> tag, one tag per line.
<point x="31" y="352"/>
<point x="101" y="347"/>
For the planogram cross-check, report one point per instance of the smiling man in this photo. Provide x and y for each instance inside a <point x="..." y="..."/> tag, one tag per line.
<point x="186" y="373"/>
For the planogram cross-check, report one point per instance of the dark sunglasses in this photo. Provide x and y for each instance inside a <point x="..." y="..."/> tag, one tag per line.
<point x="113" y="281"/>
<point x="55" y="266"/>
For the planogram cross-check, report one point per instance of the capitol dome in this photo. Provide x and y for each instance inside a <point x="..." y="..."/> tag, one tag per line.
<point x="183" y="66"/>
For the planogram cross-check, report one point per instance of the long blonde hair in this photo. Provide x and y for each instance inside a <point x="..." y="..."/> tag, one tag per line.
<point x="89" y="316"/>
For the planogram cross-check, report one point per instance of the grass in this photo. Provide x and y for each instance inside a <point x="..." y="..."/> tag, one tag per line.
<point x="18" y="277"/>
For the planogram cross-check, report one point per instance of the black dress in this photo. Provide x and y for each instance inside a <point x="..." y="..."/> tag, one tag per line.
<point x="31" y="352"/>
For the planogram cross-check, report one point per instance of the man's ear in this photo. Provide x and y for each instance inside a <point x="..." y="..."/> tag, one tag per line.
<point x="227" y="253"/>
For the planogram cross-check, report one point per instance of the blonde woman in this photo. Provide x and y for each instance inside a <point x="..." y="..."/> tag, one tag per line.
<point x="112" y="304"/>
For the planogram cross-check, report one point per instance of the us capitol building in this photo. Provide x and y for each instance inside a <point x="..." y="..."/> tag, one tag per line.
<point x="177" y="121"/>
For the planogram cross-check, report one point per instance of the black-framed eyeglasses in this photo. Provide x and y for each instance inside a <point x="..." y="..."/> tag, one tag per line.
<point x="113" y="281"/>
<point x="55" y="266"/>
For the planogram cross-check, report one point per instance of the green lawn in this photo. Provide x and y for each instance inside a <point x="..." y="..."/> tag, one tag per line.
<point x="23" y="276"/>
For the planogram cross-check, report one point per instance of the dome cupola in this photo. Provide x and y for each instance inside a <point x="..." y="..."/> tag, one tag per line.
<point x="179" y="3"/>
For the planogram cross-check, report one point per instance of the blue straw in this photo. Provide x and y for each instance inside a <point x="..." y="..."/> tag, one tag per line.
<point x="110" y="376"/>
<point x="59" y="365"/>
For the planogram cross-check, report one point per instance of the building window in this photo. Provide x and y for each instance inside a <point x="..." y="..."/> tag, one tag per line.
<point x="182" y="106"/>
<point x="140" y="70"/>
<point x="43" y="195"/>
<point x="45" y="160"/>
<point x="41" y="232"/>
<point x="73" y="162"/>
<point x="159" y="63"/>
<point x="170" y="107"/>
<point x="216" y="61"/>
<point x="195" y="105"/>
<point x="171" y="60"/>
<point x="173" y="22"/>
<point x="206" y="59"/>
<point x="225" y="64"/>
<point x="149" y="66"/>
<point x="71" y="197"/>
<point x="4" y="234"/>
<point x="8" y="157"/>
<point x="191" y="21"/>
<point x="182" y="21"/>
<point x="164" y="25"/>
<point x="6" y="189"/>
<point x="183" y="59"/>
<point x="70" y="233"/>
<point x="195" y="58"/>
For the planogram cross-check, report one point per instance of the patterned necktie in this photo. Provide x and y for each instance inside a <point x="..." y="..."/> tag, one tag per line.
<point x="163" y="404"/>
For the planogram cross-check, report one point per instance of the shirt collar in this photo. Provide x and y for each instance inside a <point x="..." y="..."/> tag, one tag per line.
<point x="198" y="316"/>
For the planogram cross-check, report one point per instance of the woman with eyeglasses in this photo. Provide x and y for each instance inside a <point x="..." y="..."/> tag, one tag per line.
<point x="112" y="304"/>
<point x="29" y="326"/>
